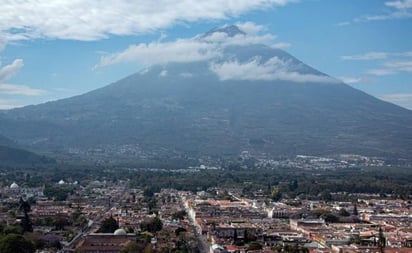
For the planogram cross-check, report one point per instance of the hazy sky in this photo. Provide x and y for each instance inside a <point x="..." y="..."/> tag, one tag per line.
<point x="56" y="49"/>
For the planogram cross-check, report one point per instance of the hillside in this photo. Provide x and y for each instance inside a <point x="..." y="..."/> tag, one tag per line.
<point x="190" y="108"/>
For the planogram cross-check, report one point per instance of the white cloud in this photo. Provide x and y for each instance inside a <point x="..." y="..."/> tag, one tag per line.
<point x="281" y="45"/>
<point x="396" y="10"/>
<point x="198" y="48"/>
<point x="381" y="72"/>
<point x="163" y="73"/>
<point x="6" y="104"/>
<point x="251" y="28"/>
<point x="392" y="67"/>
<point x="391" y="15"/>
<point x="182" y="50"/>
<point x="273" y="69"/>
<point x="405" y="4"/>
<point x="393" y="62"/>
<point x="186" y="75"/>
<point x="2" y="44"/>
<point x="343" y="23"/>
<point x="400" y="66"/>
<point x="367" y="56"/>
<point x="96" y="19"/>
<point x="402" y="99"/>
<point x="407" y="54"/>
<point x="351" y="80"/>
<point x="240" y="39"/>
<point x="13" y="89"/>
<point x="10" y="70"/>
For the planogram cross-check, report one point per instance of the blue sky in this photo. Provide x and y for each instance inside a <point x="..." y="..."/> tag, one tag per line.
<point x="56" y="49"/>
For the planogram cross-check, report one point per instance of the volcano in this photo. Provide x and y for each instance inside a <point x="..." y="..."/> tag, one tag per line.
<point x="249" y="97"/>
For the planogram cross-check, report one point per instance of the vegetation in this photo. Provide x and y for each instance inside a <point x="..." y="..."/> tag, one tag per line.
<point x="131" y="247"/>
<point x="58" y="193"/>
<point x="275" y="182"/>
<point x="109" y="225"/>
<point x="295" y="248"/>
<point x="18" y="157"/>
<point x="25" y="222"/>
<point x="153" y="225"/>
<point x="180" y="215"/>
<point x="13" y="243"/>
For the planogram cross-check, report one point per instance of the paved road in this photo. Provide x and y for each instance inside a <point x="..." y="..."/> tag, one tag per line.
<point x="202" y="243"/>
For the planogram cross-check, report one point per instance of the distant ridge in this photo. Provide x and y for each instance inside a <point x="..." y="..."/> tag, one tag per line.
<point x="10" y="156"/>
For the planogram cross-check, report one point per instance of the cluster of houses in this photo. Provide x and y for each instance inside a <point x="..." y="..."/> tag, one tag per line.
<point x="241" y="225"/>
<point x="207" y="222"/>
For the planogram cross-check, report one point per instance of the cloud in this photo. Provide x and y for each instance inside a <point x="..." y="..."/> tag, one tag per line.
<point x="273" y="69"/>
<point x="393" y="67"/>
<point x="2" y="44"/>
<point x="13" y="89"/>
<point x="95" y="20"/>
<point x="351" y="80"/>
<point x="224" y="40"/>
<point x="186" y="75"/>
<point x="163" y="73"/>
<point x="343" y="23"/>
<point x="402" y="99"/>
<point x="6" y="104"/>
<point x="365" y="57"/>
<point x="10" y="70"/>
<point x="405" y="4"/>
<point x="391" y="15"/>
<point x="198" y="48"/>
<point x="393" y="62"/>
<point x="182" y="50"/>
<point x="381" y="72"/>
<point x="396" y="10"/>
<point x="400" y="66"/>
<point x="250" y="27"/>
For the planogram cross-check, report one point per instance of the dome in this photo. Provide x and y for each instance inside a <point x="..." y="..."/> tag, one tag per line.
<point x="61" y="182"/>
<point x="14" y="186"/>
<point x="120" y="231"/>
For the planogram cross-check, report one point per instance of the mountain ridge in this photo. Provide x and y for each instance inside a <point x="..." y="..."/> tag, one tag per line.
<point x="190" y="108"/>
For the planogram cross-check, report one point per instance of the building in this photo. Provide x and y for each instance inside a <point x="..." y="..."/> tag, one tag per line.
<point x="105" y="242"/>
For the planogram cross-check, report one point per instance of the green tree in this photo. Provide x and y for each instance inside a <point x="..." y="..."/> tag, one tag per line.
<point x="381" y="241"/>
<point x="331" y="218"/>
<point x="13" y="243"/>
<point x="255" y="246"/>
<point x="180" y="215"/>
<point x="57" y="193"/>
<point x="344" y="212"/>
<point x="276" y="194"/>
<point x="355" y="239"/>
<point x="109" y="225"/>
<point x="294" y="249"/>
<point x="148" y="249"/>
<point x="131" y="247"/>
<point x="12" y="230"/>
<point x="153" y="225"/>
<point x="25" y="222"/>
<point x="355" y="210"/>
<point x="60" y="222"/>
<point x="179" y="230"/>
<point x="326" y="196"/>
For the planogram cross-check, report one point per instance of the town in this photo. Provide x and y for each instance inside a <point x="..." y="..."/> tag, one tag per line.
<point x="114" y="216"/>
